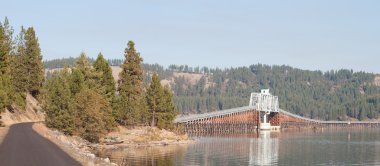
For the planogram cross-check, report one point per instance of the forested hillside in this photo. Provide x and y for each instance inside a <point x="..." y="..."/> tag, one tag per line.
<point x="332" y="95"/>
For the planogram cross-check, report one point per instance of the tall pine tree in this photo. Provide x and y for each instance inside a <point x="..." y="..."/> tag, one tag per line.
<point x="154" y="97"/>
<point x="34" y="64"/>
<point x="57" y="103"/>
<point x="92" y="78"/>
<point x="5" y="46"/>
<point x="107" y="80"/>
<point x="19" y="68"/>
<point x="5" y="55"/>
<point x="76" y="81"/>
<point x="132" y="105"/>
<point x="93" y="115"/>
<point x="83" y="64"/>
<point x="19" y="76"/>
<point x="169" y="111"/>
<point x="160" y="103"/>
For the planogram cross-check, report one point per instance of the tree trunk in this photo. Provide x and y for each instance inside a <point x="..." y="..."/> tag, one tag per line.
<point x="153" y="118"/>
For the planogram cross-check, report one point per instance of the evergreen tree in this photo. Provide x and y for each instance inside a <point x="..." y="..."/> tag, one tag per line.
<point x="160" y="103"/>
<point x="107" y="80"/>
<point x="169" y="111"/>
<point x="93" y="116"/>
<point x="4" y="99"/>
<point x="83" y="65"/>
<point x="154" y="97"/>
<point x="76" y="81"/>
<point x="34" y="65"/>
<point x="19" y="76"/>
<point x="19" y="68"/>
<point x="5" y="55"/>
<point x="5" y="46"/>
<point x="57" y="103"/>
<point x="92" y="78"/>
<point x="131" y="101"/>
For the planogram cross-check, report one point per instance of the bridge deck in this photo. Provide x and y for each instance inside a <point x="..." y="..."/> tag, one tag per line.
<point x="188" y="118"/>
<point x="326" y="122"/>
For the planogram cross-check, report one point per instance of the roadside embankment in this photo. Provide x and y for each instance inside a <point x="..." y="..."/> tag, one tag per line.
<point x="31" y="113"/>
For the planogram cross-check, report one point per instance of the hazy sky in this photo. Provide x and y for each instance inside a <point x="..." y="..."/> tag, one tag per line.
<point x="312" y="34"/>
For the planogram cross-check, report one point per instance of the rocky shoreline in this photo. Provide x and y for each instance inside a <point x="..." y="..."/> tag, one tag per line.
<point x="142" y="136"/>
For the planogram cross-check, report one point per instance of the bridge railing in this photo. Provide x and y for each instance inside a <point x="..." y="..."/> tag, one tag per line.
<point x="188" y="118"/>
<point x="326" y="122"/>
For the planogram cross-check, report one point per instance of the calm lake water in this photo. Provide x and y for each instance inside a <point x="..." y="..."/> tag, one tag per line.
<point x="328" y="147"/>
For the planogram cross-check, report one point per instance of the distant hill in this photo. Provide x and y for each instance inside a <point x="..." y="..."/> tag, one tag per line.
<point x="332" y="95"/>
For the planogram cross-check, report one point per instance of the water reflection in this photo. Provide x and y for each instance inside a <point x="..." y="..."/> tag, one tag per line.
<point x="155" y="156"/>
<point x="254" y="149"/>
<point x="266" y="149"/>
<point x="361" y="147"/>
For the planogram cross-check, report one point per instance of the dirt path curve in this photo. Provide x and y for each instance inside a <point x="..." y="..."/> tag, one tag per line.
<point x="22" y="146"/>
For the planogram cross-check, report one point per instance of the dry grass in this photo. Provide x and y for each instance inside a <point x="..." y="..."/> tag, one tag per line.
<point x="191" y="77"/>
<point x="32" y="113"/>
<point x="376" y="81"/>
<point x="146" y="136"/>
<point x="115" y="72"/>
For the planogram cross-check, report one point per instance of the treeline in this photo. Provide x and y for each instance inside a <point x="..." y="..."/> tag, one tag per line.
<point x="59" y="63"/>
<point x="83" y="98"/>
<point x="70" y="61"/>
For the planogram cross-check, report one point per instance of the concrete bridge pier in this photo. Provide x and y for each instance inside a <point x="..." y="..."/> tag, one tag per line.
<point x="265" y="124"/>
<point x="270" y="121"/>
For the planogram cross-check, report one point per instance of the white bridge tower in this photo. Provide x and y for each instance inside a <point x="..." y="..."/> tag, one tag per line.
<point x="266" y="103"/>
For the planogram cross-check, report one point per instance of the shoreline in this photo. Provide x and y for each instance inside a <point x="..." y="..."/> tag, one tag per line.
<point x="140" y="137"/>
<point x="98" y="147"/>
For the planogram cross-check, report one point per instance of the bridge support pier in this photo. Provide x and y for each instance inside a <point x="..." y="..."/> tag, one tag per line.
<point x="265" y="125"/>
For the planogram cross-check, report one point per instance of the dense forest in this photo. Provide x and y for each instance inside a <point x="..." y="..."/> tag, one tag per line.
<point x="83" y="98"/>
<point x="331" y="95"/>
